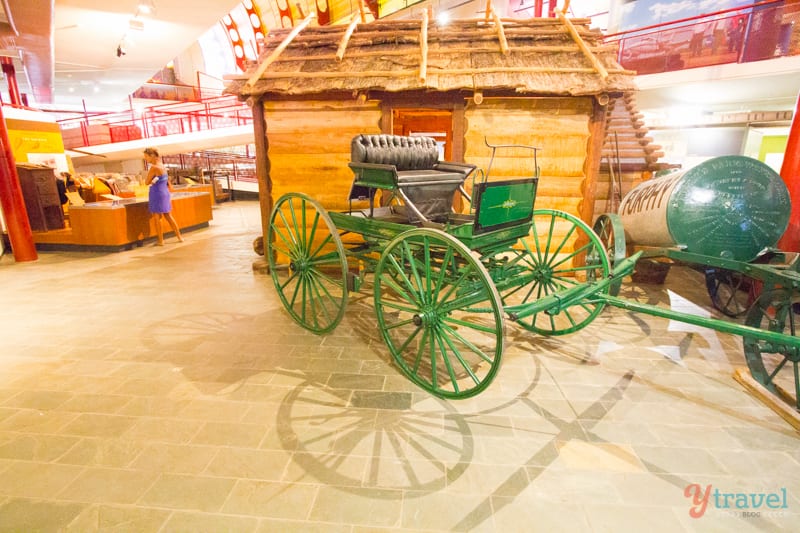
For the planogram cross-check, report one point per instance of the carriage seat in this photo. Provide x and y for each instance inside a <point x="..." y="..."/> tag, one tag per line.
<point x="410" y="165"/>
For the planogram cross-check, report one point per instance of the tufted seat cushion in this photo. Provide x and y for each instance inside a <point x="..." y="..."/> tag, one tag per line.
<point x="405" y="153"/>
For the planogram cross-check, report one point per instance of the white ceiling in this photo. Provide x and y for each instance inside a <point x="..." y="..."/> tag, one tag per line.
<point x="85" y="36"/>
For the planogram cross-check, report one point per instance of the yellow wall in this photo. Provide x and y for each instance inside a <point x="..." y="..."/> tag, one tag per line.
<point x="559" y="126"/>
<point x="309" y="146"/>
<point x="35" y="138"/>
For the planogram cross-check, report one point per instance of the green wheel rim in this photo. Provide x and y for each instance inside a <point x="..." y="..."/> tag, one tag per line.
<point x="609" y="229"/>
<point x="560" y="252"/>
<point x="775" y="366"/>
<point x="439" y="313"/>
<point x="307" y="262"/>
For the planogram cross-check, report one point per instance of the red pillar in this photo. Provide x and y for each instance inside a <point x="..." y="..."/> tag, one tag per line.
<point x="790" y="172"/>
<point x="16" y="216"/>
<point x="537" y="8"/>
<point x="11" y="77"/>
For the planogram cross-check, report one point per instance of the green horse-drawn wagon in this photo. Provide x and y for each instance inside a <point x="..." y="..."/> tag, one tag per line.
<point x="445" y="283"/>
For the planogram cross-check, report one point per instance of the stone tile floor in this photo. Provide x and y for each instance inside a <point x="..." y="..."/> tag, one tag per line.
<point x="165" y="389"/>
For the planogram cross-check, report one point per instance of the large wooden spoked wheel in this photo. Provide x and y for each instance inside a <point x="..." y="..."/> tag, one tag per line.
<point x="767" y="360"/>
<point x="609" y="229"/>
<point x="730" y="292"/>
<point x="308" y="263"/>
<point x="439" y="313"/>
<point x="561" y="251"/>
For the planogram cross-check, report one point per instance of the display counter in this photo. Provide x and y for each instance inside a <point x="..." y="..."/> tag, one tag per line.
<point x="122" y="224"/>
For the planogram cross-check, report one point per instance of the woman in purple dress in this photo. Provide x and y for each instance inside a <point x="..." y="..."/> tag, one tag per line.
<point x="159" y="200"/>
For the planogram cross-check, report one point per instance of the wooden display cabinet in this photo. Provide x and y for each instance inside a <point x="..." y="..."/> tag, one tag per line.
<point x="39" y="191"/>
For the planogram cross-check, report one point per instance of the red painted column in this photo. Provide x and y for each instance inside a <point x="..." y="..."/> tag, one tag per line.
<point x="14" y="212"/>
<point x="790" y="172"/>
<point x="537" y="8"/>
<point x="11" y="77"/>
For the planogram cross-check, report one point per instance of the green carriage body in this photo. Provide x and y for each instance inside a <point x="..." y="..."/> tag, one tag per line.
<point x="442" y="279"/>
<point x="445" y="282"/>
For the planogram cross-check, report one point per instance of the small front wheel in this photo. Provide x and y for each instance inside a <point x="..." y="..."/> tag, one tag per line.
<point x="730" y="292"/>
<point x="439" y="313"/>
<point x="561" y="251"/>
<point x="609" y="229"/>
<point x="307" y="262"/>
<point x="774" y="364"/>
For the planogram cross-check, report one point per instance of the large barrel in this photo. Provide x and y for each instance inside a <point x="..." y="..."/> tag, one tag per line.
<point x="730" y="206"/>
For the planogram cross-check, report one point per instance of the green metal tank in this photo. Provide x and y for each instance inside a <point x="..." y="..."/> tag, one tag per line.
<point x="731" y="206"/>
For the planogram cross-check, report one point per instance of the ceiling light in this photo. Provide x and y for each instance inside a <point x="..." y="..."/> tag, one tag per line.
<point x="147" y="6"/>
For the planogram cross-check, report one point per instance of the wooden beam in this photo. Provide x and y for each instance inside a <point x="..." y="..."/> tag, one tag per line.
<point x="778" y="405"/>
<point x="410" y="73"/>
<point x="262" y="164"/>
<point x="501" y="35"/>
<point x="454" y="50"/>
<point x="591" y="167"/>
<point x="582" y="45"/>
<point x="423" y="47"/>
<point x="345" y="38"/>
<point x="279" y="50"/>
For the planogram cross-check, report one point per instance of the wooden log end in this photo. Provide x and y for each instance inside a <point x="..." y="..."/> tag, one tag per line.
<point x="781" y="408"/>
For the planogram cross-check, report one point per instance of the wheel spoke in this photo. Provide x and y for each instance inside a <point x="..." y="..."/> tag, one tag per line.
<point x="448" y="256"/>
<point x="400" y="272"/>
<point x="471" y="325"/>
<point x="777" y="369"/>
<point x="327" y="240"/>
<point x="399" y="307"/>
<point x="560" y="246"/>
<point x="414" y="271"/>
<point x="477" y="351"/>
<point x="398" y="291"/>
<point x="447" y="363"/>
<point x="420" y="350"/>
<point x="291" y="245"/>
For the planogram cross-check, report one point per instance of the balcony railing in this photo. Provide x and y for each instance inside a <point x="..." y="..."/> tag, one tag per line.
<point x="764" y="30"/>
<point x="157" y="121"/>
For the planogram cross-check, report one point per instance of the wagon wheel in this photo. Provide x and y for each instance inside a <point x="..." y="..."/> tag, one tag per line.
<point x="561" y="251"/>
<point x="609" y="228"/>
<point x="767" y="360"/>
<point x="307" y="262"/>
<point x="729" y="291"/>
<point x="439" y="313"/>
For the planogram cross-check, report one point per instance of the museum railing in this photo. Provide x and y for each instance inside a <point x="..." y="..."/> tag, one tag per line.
<point x="763" y="30"/>
<point x="91" y="129"/>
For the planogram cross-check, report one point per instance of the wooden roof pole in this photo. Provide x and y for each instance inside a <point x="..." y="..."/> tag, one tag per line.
<point x="361" y="11"/>
<point x="262" y="67"/>
<point x="501" y="34"/>
<point x="581" y="43"/>
<point x="488" y="10"/>
<point x="423" y="47"/>
<point x="346" y="38"/>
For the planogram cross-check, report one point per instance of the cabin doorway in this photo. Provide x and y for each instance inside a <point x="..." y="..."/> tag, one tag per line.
<point x="436" y="123"/>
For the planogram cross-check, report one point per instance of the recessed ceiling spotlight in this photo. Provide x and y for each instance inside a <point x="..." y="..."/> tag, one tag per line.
<point x="147" y="6"/>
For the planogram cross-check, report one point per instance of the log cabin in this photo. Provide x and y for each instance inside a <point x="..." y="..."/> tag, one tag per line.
<point x="542" y="82"/>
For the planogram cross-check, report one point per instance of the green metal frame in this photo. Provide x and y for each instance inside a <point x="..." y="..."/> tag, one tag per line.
<point x="442" y="293"/>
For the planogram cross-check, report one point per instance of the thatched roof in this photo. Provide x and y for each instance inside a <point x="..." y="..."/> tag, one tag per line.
<point x="543" y="56"/>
